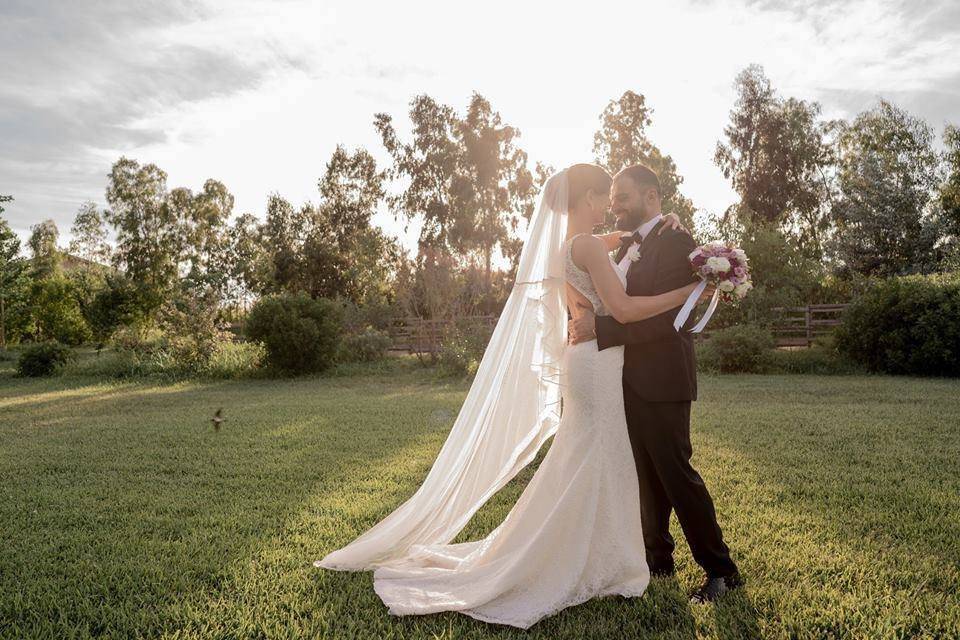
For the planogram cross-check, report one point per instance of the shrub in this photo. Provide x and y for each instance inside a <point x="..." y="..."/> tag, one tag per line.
<point x="906" y="325"/>
<point x="461" y="349"/>
<point x="368" y="345"/>
<point x="43" y="359"/>
<point x="736" y="349"/>
<point x="299" y="333"/>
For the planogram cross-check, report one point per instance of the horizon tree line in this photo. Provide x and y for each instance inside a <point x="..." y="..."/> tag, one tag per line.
<point x="817" y="200"/>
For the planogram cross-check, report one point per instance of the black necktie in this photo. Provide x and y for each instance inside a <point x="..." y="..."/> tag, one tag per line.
<point x="634" y="238"/>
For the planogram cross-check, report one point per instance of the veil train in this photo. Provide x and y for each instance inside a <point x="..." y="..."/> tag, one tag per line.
<point x="512" y="408"/>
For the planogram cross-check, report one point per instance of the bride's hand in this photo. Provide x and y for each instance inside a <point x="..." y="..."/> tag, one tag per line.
<point x="671" y="221"/>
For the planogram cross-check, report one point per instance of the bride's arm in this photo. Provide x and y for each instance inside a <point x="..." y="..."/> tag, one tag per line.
<point x="612" y="240"/>
<point x="590" y="254"/>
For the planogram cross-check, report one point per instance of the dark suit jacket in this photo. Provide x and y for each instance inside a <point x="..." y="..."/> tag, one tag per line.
<point x="659" y="362"/>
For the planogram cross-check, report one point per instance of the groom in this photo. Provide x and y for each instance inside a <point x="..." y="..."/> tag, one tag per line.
<point x="659" y="383"/>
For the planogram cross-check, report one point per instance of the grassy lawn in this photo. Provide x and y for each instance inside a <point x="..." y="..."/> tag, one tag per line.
<point x="124" y="514"/>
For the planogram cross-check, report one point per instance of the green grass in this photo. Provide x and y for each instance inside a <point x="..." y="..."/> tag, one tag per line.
<point x="123" y="514"/>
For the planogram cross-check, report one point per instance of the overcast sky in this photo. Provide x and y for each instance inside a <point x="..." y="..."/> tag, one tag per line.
<point x="258" y="93"/>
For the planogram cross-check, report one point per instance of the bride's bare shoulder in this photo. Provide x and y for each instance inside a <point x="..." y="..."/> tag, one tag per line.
<point x="585" y="247"/>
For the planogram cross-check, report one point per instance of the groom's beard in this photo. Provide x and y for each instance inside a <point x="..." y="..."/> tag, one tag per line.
<point x="630" y="220"/>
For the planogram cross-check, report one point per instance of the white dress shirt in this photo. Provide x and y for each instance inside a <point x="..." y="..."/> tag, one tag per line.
<point x="634" y="249"/>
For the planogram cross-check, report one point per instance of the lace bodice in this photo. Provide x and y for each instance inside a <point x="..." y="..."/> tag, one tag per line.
<point x="581" y="281"/>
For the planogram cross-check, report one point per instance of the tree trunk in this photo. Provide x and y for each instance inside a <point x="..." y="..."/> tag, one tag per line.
<point x="3" y="323"/>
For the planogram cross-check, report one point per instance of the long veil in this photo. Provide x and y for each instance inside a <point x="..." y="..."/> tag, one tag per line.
<point x="512" y="408"/>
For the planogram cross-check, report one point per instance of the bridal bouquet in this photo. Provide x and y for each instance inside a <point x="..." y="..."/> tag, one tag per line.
<point x="725" y="267"/>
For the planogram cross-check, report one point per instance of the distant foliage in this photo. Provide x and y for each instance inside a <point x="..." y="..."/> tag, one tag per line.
<point x="300" y="334"/>
<point x="43" y="359"/>
<point x="906" y="325"/>
<point x="737" y="349"/>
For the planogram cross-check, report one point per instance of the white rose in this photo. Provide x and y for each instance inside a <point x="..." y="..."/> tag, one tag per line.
<point x="726" y="286"/>
<point x="718" y="265"/>
<point x="740" y="255"/>
<point x="742" y="289"/>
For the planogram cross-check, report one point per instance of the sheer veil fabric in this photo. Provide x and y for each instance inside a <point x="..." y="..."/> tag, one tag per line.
<point x="512" y="408"/>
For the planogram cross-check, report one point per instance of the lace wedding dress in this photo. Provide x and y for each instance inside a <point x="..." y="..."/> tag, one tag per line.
<point x="573" y="535"/>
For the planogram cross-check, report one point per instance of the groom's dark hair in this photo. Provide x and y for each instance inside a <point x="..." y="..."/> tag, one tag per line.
<point x="643" y="176"/>
<point x="584" y="177"/>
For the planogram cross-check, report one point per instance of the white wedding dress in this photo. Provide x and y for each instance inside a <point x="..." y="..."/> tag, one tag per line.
<point x="573" y="535"/>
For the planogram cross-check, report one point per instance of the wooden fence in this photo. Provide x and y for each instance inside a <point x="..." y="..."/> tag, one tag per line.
<point x="418" y="335"/>
<point x="796" y="327"/>
<point x="800" y="326"/>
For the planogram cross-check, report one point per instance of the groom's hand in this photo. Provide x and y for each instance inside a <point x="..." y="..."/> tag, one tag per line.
<point x="582" y="327"/>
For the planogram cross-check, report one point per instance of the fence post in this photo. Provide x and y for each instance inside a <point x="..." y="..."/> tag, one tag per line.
<point x="808" y="320"/>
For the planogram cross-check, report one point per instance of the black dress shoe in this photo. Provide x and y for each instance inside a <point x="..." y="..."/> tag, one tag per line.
<point x="713" y="588"/>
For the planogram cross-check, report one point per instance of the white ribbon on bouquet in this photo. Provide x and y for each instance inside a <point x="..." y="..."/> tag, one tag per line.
<point x="691" y="302"/>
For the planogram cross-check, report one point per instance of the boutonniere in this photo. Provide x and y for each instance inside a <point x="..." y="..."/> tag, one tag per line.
<point x="635" y="257"/>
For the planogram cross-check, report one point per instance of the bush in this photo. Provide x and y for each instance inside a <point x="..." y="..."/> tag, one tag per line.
<point x="43" y="359"/>
<point x="368" y="345"/>
<point x="907" y="325"/>
<point x="461" y="349"/>
<point x="736" y="349"/>
<point x="299" y="333"/>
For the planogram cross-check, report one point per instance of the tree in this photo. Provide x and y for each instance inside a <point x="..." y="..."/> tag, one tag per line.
<point x="331" y="249"/>
<point x="888" y="175"/>
<point x="113" y="306"/>
<point x="493" y="189"/>
<point x="146" y="229"/>
<point x="622" y="141"/>
<point x="429" y="161"/>
<point x="55" y="312"/>
<point x="779" y="157"/>
<point x="14" y="284"/>
<point x="201" y="221"/>
<point x="949" y="198"/>
<point x="245" y="258"/>
<point x="90" y="235"/>
<point x="45" y="257"/>
<point x="467" y="179"/>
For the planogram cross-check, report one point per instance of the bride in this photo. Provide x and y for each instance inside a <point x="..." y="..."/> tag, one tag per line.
<point x="574" y="534"/>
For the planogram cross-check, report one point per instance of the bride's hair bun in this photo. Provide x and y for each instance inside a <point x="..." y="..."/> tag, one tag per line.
<point x="584" y="177"/>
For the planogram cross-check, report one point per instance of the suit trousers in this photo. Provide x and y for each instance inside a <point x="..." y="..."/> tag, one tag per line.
<point x="660" y="437"/>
